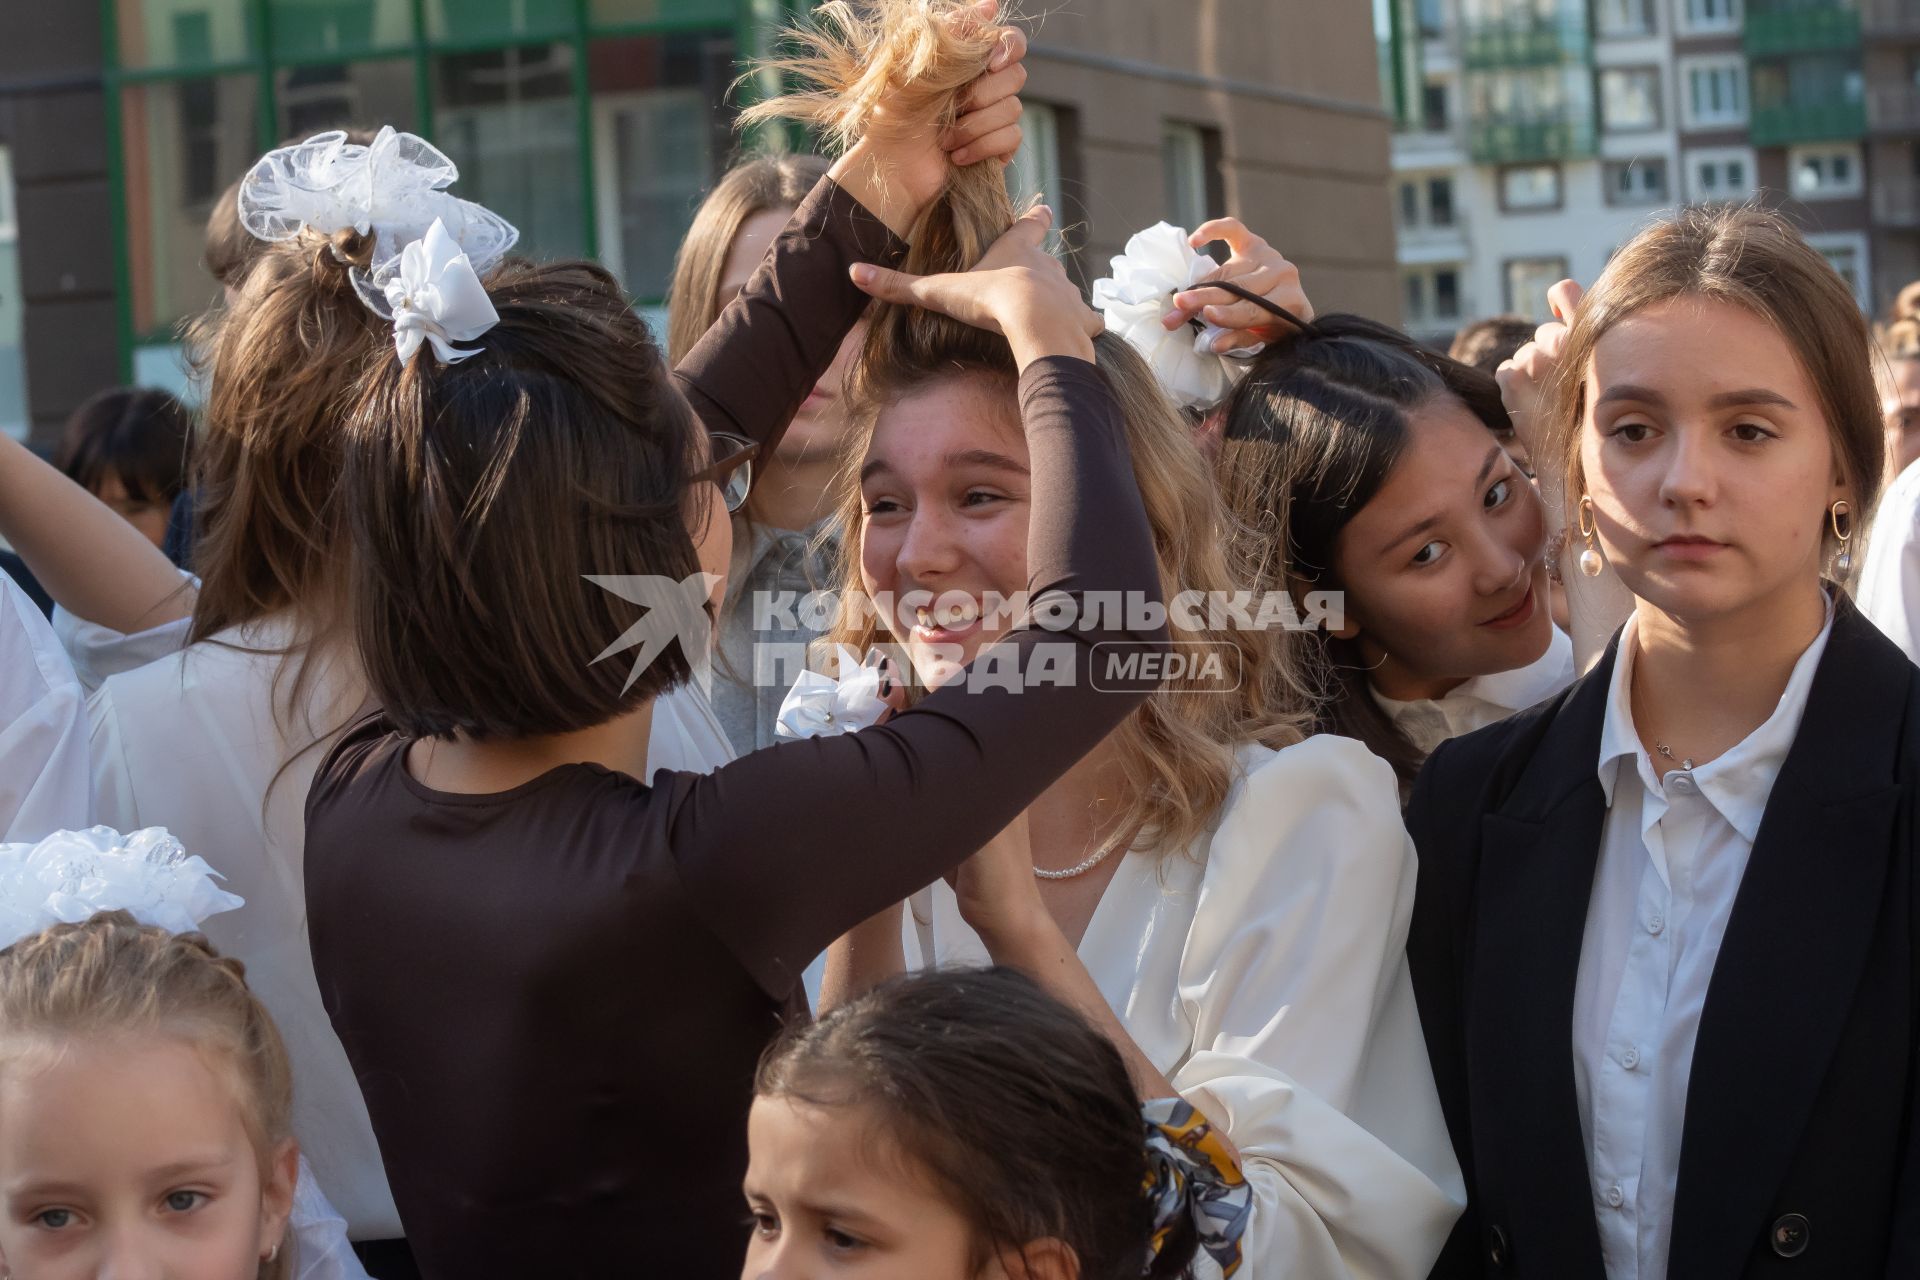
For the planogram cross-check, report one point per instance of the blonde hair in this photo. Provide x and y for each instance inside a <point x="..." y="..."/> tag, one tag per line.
<point x="749" y="189"/>
<point x="1177" y="752"/>
<point x="112" y="977"/>
<point x="1754" y="259"/>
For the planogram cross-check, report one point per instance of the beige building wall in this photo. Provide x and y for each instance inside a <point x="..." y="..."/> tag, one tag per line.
<point x="1289" y="87"/>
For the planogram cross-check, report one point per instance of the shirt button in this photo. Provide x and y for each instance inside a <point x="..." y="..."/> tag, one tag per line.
<point x="1630" y="1059"/>
<point x="1683" y="785"/>
<point x="1656" y="922"/>
<point x="1616" y="1197"/>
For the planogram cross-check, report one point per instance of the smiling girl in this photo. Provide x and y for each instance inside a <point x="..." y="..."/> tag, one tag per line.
<point x="1665" y="942"/>
<point x="1360" y="462"/>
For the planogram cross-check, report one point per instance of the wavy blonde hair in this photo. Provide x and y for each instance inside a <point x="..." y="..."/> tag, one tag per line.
<point x="1177" y="752"/>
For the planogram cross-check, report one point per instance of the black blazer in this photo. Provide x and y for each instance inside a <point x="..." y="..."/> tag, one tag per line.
<point x="1800" y="1152"/>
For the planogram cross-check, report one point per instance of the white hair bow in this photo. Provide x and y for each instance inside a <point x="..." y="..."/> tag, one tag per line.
<point x="436" y="296"/>
<point x="68" y="876"/>
<point x="818" y="704"/>
<point x="1159" y="263"/>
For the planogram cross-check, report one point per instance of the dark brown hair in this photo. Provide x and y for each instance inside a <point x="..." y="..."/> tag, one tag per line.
<point x="480" y="494"/>
<point x="1754" y="259"/>
<point x="1309" y="437"/>
<point x="140" y="435"/>
<point x="1019" y="1111"/>
<point x="1484" y="344"/>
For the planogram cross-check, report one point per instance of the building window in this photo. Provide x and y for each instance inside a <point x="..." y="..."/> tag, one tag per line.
<point x="1624" y="17"/>
<point x="1630" y="98"/>
<point x="1720" y="175"/>
<point x="1527" y="281"/>
<point x="1699" y="17"/>
<point x="1636" y="183"/>
<point x="1433" y="297"/>
<point x="1044" y="165"/>
<point x="1846" y="252"/>
<point x="1434" y="113"/>
<point x="1440" y="201"/>
<point x="1529" y="188"/>
<point x="1409" y="204"/>
<point x="1825" y="173"/>
<point x="1190" y="170"/>
<point x="1714" y="92"/>
<point x="1433" y="17"/>
<point x="1427" y="203"/>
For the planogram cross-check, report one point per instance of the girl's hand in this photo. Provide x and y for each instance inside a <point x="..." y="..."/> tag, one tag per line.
<point x="1018" y="290"/>
<point x="998" y="896"/>
<point x="1523" y="379"/>
<point x="1255" y="266"/>
<point x="900" y="166"/>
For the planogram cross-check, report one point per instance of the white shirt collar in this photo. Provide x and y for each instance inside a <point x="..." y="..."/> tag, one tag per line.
<point x="1484" y="699"/>
<point x="1737" y="782"/>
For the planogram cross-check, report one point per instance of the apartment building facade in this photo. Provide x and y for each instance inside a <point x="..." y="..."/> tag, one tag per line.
<point x="1536" y="136"/>
<point x="596" y="125"/>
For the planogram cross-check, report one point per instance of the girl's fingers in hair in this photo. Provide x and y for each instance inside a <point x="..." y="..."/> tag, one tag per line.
<point x="1564" y="298"/>
<point x="994" y="87"/>
<point x="1239" y="237"/>
<point x="976" y="125"/>
<point x="1000" y="144"/>
<point x="892" y="286"/>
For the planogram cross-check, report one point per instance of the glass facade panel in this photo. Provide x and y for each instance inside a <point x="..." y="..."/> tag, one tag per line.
<point x="509" y="119"/>
<point x="305" y="29"/>
<point x="659" y="144"/>
<point x="184" y="33"/>
<point x="483" y="21"/>
<point x="13" y="358"/>
<point x="617" y="13"/>
<point x="313" y="99"/>
<point x="184" y="141"/>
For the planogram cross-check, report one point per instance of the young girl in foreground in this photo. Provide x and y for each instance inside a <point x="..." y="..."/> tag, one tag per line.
<point x="1665" y="937"/>
<point x="126" y="1048"/>
<point x="965" y="1126"/>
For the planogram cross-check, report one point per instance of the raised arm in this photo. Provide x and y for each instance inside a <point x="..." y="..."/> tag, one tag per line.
<point x="94" y="564"/>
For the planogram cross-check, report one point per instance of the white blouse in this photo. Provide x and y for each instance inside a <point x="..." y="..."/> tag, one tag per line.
<point x="191" y="742"/>
<point x="1263" y="971"/>
<point x="1483" y="700"/>
<point x="43" y="727"/>
<point x="1890" y="579"/>
<point x="1673" y="852"/>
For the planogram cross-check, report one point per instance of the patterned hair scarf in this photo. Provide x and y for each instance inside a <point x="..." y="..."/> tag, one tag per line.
<point x="1192" y="1174"/>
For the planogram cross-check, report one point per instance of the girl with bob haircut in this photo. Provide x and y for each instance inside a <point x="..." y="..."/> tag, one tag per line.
<point x="1665" y="937"/>
<point x="1221" y="896"/>
<point x="1357" y="461"/>
<point x="960" y="1125"/>
<point x="554" y="972"/>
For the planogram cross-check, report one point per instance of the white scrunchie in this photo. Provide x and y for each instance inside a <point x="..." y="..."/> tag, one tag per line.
<point x="819" y="704"/>
<point x="1159" y="263"/>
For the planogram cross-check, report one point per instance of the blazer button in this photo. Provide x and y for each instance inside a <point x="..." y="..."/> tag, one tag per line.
<point x="1790" y="1235"/>
<point x="1497" y="1252"/>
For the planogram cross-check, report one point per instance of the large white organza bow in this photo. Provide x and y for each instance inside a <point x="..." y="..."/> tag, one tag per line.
<point x="819" y="704"/>
<point x="434" y="295"/>
<point x="1159" y="263"/>
<point x="393" y="188"/>
<point x="70" y="875"/>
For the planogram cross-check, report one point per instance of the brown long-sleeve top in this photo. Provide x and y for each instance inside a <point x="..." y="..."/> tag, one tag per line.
<point x="554" y="997"/>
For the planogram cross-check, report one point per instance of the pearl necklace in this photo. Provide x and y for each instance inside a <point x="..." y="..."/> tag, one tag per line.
<point x="1077" y="869"/>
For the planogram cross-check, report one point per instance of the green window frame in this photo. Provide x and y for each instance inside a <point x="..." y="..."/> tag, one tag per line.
<point x="750" y="23"/>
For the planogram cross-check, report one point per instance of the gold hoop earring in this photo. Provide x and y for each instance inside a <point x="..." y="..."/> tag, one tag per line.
<point x="1842" y="510"/>
<point x="1590" y="561"/>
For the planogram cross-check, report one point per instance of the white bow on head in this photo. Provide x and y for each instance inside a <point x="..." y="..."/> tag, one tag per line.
<point x="818" y="704"/>
<point x="1159" y="263"/>
<point x="436" y="296"/>
<point x="70" y="875"/>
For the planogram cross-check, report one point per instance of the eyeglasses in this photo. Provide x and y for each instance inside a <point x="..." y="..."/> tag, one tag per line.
<point x="731" y="469"/>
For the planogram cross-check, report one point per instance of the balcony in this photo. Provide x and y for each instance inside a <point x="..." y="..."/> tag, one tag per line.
<point x="1496" y="140"/>
<point x="1789" y="123"/>
<point x="1896" y="201"/>
<point x="1551" y="42"/>
<point x="1894" y="108"/>
<point x="1778" y="28"/>
<point x="1890" y="19"/>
